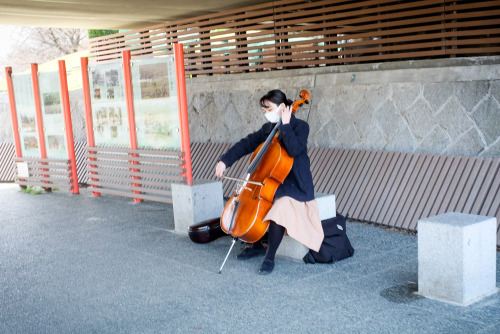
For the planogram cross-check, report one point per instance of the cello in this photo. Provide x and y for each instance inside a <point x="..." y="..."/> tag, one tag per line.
<point x="243" y="215"/>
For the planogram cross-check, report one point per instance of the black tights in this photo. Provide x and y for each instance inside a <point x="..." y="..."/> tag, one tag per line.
<point x="275" y="235"/>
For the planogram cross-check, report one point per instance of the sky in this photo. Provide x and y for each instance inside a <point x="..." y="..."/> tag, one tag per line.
<point x="6" y="39"/>
<point x="9" y="39"/>
<point x="7" y="43"/>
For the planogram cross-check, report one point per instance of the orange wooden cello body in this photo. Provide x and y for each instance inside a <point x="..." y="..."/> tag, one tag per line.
<point x="243" y="215"/>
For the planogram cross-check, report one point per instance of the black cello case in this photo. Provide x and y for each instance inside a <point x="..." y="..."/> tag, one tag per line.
<point x="206" y="231"/>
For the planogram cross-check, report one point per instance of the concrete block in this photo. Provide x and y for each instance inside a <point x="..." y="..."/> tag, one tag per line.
<point x="197" y="203"/>
<point x="293" y="249"/>
<point x="326" y="205"/>
<point x="457" y="257"/>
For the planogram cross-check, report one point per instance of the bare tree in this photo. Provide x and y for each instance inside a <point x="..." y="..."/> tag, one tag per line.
<point x="38" y="45"/>
<point x="65" y="40"/>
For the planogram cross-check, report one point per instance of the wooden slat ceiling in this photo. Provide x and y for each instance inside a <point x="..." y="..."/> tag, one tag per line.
<point x="296" y="33"/>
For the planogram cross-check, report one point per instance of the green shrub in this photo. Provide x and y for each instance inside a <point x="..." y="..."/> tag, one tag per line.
<point x="31" y="190"/>
<point x="93" y="33"/>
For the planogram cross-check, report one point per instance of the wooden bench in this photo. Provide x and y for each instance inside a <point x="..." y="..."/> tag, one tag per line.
<point x="393" y="189"/>
<point x="45" y="173"/>
<point x="138" y="174"/>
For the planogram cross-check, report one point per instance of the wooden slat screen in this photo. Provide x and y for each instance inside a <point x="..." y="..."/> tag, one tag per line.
<point x="80" y="149"/>
<point x="143" y="174"/>
<point x="296" y="34"/>
<point x="46" y="173"/>
<point x="393" y="189"/>
<point x="7" y="167"/>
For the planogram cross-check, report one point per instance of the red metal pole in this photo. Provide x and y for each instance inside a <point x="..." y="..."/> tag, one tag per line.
<point x="183" y="112"/>
<point x="86" y="99"/>
<point x="38" y="110"/>
<point x="130" y="99"/>
<point x="39" y="119"/>
<point x="68" y="126"/>
<point x="13" y="112"/>
<point x="131" y="116"/>
<point x="84" y="61"/>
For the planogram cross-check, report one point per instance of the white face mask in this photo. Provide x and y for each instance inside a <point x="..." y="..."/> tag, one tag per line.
<point x="273" y="116"/>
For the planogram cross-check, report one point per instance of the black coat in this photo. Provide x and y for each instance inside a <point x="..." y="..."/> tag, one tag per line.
<point x="293" y="136"/>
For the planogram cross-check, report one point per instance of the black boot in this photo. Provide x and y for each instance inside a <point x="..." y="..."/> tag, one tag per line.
<point x="275" y="234"/>
<point x="266" y="267"/>
<point x="253" y="250"/>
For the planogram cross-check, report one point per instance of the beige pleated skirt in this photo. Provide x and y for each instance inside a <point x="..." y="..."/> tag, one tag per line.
<point x="301" y="220"/>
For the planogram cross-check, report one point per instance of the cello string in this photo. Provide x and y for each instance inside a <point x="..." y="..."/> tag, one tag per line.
<point x="263" y="149"/>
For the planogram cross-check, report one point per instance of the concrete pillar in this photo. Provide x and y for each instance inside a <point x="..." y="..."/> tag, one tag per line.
<point x="197" y="203"/>
<point x="457" y="257"/>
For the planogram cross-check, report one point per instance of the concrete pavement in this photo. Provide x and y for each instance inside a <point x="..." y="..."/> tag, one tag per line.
<point x="79" y="264"/>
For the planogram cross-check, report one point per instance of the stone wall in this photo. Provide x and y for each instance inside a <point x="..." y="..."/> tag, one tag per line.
<point x="447" y="106"/>
<point x="441" y="106"/>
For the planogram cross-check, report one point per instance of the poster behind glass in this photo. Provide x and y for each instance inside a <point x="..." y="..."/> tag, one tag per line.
<point x="109" y="108"/>
<point x="52" y="114"/>
<point x="26" y="115"/>
<point x="155" y="103"/>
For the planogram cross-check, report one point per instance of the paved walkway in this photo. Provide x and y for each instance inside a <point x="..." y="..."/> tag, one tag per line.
<point x="78" y="264"/>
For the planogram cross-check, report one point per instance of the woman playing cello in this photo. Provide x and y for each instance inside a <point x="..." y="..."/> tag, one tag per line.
<point x="294" y="209"/>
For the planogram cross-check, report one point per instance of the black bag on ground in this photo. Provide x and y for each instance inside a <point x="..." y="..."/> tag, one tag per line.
<point x="336" y="245"/>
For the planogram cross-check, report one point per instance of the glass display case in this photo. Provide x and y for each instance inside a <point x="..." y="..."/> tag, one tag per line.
<point x="26" y="115"/>
<point x="109" y="108"/>
<point x="52" y="115"/>
<point x="156" y="105"/>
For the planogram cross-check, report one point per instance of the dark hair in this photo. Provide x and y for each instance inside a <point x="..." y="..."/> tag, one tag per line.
<point x="275" y="96"/>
